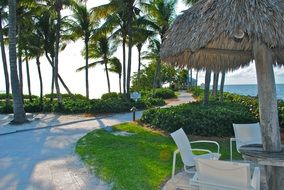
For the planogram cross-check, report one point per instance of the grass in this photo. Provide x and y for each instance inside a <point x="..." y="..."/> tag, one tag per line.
<point x="140" y="161"/>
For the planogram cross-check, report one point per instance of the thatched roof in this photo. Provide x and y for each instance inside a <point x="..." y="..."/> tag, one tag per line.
<point x="219" y="34"/>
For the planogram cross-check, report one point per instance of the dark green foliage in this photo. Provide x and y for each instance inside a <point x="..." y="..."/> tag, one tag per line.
<point x="196" y="119"/>
<point x="76" y="96"/>
<point x="164" y="93"/>
<point x="112" y="103"/>
<point x="25" y="96"/>
<point x="110" y="95"/>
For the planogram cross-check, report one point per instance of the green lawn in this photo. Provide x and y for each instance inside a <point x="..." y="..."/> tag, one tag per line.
<point x="139" y="161"/>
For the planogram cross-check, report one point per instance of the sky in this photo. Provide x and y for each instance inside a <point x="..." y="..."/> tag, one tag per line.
<point x="71" y="59"/>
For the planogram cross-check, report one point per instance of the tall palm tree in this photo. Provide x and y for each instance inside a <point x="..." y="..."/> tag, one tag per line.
<point x="45" y="25"/>
<point x="116" y="67"/>
<point x="3" y="16"/>
<point x="18" y="107"/>
<point x="141" y="34"/>
<point x="81" y="26"/>
<point x="119" y="16"/>
<point x="103" y="50"/>
<point x="115" y="22"/>
<point x="162" y="13"/>
<point x="57" y="6"/>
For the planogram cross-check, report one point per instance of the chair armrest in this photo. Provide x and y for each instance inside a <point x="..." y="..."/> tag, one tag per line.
<point x="207" y="141"/>
<point x="174" y="163"/>
<point x="200" y="149"/>
<point x="255" y="181"/>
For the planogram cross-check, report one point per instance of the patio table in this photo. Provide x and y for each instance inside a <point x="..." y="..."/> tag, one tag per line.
<point x="255" y="153"/>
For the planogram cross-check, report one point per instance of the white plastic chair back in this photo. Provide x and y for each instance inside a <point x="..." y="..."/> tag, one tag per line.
<point x="247" y="134"/>
<point x="184" y="147"/>
<point x="223" y="174"/>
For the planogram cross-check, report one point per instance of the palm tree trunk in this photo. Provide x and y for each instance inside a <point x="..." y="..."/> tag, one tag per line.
<point x="139" y="63"/>
<point x="124" y="63"/>
<point x="87" y="67"/>
<point x="18" y="107"/>
<point x="52" y="81"/>
<point x="129" y="66"/>
<point x="157" y="75"/>
<point x="4" y="61"/>
<point x="28" y="75"/>
<point x="207" y="86"/>
<point x="120" y="83"/>
<point x="222" y="86"/>
<point x="20" y="70"/>
<point x="56" y="60"/>
<point x="51" y="62"/>
<point x="40" y="78"/>
<point x="108" y="82"/>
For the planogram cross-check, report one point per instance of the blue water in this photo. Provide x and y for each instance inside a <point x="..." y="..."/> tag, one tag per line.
<point x="251" y="89"/>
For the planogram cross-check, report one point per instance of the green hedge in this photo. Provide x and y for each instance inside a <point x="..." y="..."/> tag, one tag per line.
<point x="196" y="119"/>
<point x="79" y="104"/>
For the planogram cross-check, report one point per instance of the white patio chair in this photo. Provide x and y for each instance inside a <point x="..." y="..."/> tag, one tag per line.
<point x="245" y="134"/>
<point x="187" y="156"/>
<point x="224" y="175"/>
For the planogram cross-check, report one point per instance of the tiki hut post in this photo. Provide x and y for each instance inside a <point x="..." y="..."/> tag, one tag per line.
<point x="268" y="111"/>
<point x="267" y="98"/>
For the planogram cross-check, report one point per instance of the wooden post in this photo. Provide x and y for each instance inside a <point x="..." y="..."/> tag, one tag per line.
<point x="268" y="110"/>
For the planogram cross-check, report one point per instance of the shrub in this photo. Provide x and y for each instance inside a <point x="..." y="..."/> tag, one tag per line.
<point x="196" y="119"/>
<point x="164" y="93"/>
<point x="6" y="108"/>
<point x="110" y="95"/>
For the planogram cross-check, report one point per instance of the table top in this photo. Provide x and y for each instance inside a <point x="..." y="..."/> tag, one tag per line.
<point x="255" y="152"/>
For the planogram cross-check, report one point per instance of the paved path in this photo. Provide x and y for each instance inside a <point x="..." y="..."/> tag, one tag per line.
<point x="44" y="159"/>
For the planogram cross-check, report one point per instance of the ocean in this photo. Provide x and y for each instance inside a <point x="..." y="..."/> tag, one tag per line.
<point x="251" y="89"/>
<point x="245" y="89"/>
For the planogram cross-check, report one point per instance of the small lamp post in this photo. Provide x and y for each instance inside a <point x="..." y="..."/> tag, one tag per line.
<point x="134" y="96"/>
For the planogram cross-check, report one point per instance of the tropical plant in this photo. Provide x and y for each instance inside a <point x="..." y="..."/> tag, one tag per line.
<point x="119" y="17"/>
<point x="116" y="67"/>
<point x="162" y="14"/>
<point x="81" y="26"/>
<point x="103" y="50"/>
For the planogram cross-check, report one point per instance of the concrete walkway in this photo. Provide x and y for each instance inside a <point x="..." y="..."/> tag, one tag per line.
<point x="40" y="155"/>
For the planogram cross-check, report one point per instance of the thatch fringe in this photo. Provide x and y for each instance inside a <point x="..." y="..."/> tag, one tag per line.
<point x="217" y="24"/>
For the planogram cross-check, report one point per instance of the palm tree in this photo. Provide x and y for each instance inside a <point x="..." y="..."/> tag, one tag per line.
<point x="115" y="21"/>
<point x="103" y="50"/>
<point x="141" y="34"/>
<point x="3" y="16"/>
<point x="45" y="25"/>
<point x="57" y="6"/>
<point x="18" y="107"/>
<point x="116" y="67"/>
<point x="120" y="16"/>
<point x="81" y="26"/>
<point x="162" y="13"/>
